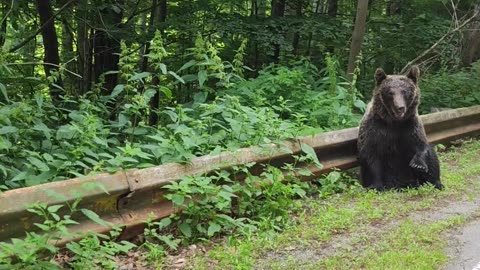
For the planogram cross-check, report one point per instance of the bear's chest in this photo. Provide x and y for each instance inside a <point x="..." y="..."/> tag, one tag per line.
<point x="395" y="141"/>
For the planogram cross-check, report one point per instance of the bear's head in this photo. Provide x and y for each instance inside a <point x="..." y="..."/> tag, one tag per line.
<point x="396" y="97"/>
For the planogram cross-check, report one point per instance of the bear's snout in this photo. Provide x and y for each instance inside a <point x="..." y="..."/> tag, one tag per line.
<point x="399" y="107"/>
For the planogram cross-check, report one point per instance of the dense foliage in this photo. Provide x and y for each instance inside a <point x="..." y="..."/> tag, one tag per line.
<point x="44" y="142"/>
<point x="89" y="86"/>
<point x="149" y="83"/>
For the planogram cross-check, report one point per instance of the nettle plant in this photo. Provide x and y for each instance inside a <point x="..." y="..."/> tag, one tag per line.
<point x="220" y="203"/>
<point x="94" y="133"/>
<point x="212" y="205"/>
<point x="303" y="94"/>
<point x="37" y="250"/>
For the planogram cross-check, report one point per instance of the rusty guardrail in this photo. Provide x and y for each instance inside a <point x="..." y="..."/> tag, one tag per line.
<point x="130" y="197"/>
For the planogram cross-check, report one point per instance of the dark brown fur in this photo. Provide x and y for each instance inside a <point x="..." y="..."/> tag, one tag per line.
<point x="393" y="149"/>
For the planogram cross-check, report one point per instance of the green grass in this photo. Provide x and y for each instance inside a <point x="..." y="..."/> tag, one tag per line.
<point x="410" y="246"/>
<point x="375" y="225"/>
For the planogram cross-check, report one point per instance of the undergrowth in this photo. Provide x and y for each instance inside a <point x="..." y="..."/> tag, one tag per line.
<point x="265" y="207"/>
<point x="451" y="90"/>
<point x="212" y="205"/>
<point x="204" y="107"/>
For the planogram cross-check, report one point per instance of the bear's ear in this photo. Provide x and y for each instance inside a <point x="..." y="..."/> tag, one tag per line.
<point x="380" y="76"/>
<point x="414" y="73"/>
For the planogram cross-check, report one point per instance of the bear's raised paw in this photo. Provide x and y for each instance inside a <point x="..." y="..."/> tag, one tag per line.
<point x="418" y="164"/>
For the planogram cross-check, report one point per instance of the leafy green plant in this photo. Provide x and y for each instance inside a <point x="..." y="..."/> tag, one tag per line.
<point x="451" y="90"/>
<point x="335" y="182"/>
<point x="98" y="250"/>
<point x="99" y="132"/>
<point x="37" y="250"/>
<point x="206" y="204"/>
<point x="300" y="94"/>
<point x="218" y="203"/>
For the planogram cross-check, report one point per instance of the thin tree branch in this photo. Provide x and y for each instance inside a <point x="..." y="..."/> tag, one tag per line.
<point x="440" y="41"/>
<point x="454" y="17"/>
<point x="25" y="41"/>
<point x="43" y="63"/>
<point x="138" y="12"/>
<point x="8" y="12"/>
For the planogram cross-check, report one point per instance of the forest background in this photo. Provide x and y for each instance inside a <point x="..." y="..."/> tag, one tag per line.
<point x="88" y="86"/>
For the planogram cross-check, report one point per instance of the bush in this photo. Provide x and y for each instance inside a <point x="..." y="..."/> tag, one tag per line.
<point x="303" y="94"/>
<point x="451" y="90"/>
<point x="93" y="133"/>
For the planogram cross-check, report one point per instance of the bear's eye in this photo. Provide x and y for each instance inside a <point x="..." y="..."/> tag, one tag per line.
<point x="407" y="92"/>
<point x="390" y="93"/>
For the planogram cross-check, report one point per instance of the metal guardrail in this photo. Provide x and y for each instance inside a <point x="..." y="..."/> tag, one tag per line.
<point x="130" y="197"/>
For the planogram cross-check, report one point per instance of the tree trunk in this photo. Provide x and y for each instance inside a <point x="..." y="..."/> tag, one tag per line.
<point x="471" y="41"/>
<point x="278" y="10"/>
<point x="261" y="8"/>
<point x="150" y="31"/>
<point x="471" y="44"/>
<point x="3" y="27"/>
<point x="358" y="34"/>
<point x="67" y="54"/>
<point x="155" y="101"/>
<point x="332" y="8"/>
<point x="296" y="35"/>
<point x="253" y="10"/>
<point x="83" y="47"/>
<point x="162" y="13"/>
<point x="316" y="4"/>
<point x="144" y="33"/>
<point x="106" y="49"/>
<point x="50" y="44"/>
<point x="67" y="42"/>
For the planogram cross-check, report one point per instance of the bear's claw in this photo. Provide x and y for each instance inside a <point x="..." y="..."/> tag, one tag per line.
<point x="418" y="164"/>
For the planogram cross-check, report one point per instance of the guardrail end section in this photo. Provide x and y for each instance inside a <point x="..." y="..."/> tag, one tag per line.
<point x="97" y="193"/>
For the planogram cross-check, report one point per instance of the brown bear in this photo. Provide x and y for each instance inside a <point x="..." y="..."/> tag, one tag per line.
<point x="393" y="150"/>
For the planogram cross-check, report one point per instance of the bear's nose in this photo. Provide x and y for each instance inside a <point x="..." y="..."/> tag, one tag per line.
<point x="400" y="109"/>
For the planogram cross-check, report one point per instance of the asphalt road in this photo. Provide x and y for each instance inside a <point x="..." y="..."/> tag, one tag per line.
<point x="465" y="248"/>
